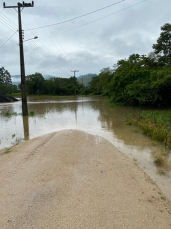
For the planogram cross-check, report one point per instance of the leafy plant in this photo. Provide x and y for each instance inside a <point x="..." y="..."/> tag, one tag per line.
<point x="7" y="151"/>
<point x="159" y="161"/>
<point x="31" y="113"/>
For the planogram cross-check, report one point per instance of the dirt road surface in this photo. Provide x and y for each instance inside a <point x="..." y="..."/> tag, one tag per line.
<point x="74" y="180"/>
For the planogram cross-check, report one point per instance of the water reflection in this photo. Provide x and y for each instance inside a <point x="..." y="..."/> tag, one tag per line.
<point x="76" y="108"/>
<point x="89" y="114"/>
<point x="26" y="127"/>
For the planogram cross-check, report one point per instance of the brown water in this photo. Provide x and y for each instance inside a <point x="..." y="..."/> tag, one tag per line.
<point x="89" y="114"/>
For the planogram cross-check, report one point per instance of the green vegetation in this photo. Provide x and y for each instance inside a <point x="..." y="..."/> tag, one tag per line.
<point x="38" y="85"/>
<point x="8" y="113"/>
<point x="6" y="86"/>
<point x="154" y="124"/>
<point x="31" y="113"/>
<point x="13" y="136"/>
<point x="7" y="151"/>
<point x="16" y="94"/>
<point x="139" y="80"/>
<point x="113" y="105"/>
<point x="159" y="161"/>
<point x="17" y="141"/>
<point x="150" y="180"/>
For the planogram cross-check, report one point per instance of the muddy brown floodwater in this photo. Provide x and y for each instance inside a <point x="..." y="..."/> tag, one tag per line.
<point x="89" y="114"/>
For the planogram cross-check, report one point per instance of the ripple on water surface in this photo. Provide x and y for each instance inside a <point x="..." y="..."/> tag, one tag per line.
<point x="89" y="114"/>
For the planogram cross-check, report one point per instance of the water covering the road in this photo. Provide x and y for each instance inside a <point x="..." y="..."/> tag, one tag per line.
<point x="89" y="114"/>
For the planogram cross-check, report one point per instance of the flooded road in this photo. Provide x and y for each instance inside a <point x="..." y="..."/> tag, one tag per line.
<point x="89" y="114"/>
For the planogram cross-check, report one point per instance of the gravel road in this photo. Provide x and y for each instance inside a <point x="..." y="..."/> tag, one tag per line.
<point x="74" y="180"/>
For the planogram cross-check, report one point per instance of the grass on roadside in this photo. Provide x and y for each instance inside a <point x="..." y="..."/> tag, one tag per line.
<point x="16" y="94"/>
<point x="7" y="151"/>
<point x="113" y="105"/>
<point x="154" y="124"/>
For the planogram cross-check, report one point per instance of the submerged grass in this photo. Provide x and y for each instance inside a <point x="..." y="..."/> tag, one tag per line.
<point x="31" y="113"/>
<point x="154" y="124"/>
<point x="113" y="105"/>
<point x="8" y="113"/>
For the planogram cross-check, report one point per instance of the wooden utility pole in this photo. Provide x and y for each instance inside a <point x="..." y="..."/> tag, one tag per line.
<point x="22" y="67"/>
<point x="75" y="82"/>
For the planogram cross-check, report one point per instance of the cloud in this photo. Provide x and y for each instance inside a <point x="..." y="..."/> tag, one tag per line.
<point x="88" y="48"/>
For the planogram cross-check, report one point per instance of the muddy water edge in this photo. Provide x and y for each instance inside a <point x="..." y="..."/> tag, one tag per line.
<point x="89" y="114"/>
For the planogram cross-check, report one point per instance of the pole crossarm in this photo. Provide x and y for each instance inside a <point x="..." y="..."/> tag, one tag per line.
<point x="75" y="71"/>
<point x="20" y="5"/>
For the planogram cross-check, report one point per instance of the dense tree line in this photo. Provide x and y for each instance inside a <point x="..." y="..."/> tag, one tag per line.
<point x="140" y="79"/>
<point x="6" y="86"/>
<point x="37" y="85"/>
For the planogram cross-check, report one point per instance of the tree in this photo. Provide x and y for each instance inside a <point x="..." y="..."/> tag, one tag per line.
<point x="34" y="83"/>
<point x="5" y="76"/>
<point x="163" y="46"/>
<point x="5" y="81"/>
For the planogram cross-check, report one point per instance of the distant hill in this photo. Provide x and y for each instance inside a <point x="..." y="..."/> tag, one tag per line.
<point x="49" y="76"/>
<point x="16" y="79"/>
<point x="16" y="76"/>
<point x="86" y="78"/>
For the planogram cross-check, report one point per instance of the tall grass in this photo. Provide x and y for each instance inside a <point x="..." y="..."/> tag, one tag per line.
<point x="154" y="124"/>
<point x="8" y="113"/>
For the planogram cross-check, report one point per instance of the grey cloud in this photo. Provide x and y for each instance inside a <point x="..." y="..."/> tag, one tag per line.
<point x="89" y="48"/>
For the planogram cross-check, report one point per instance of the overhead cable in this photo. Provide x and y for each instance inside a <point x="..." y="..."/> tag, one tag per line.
<point x="95" y="11"/>
<point x="94" y="20"/>
<point x="7" y="40"/>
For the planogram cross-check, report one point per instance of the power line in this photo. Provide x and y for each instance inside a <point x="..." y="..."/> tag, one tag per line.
<point x="51" y="32"/>
<point x="7" y="26"/>
<point x="95" y="20"/>
<point x="45" y="32"/>
<point x="51" y="39"/>
<point x="8" y="20"/>
<point x="32" y="43"/>
<point x="95" y="11"/>
<point x="43" y="53"/>
<point x="35" y="46"/>
<point x="9" y="47"/>
<point x="7" y="40"/>
<point x="7" y="23"/>
<point x="62" y="69"/>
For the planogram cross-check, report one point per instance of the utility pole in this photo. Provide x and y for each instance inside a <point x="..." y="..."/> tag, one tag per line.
<point x="22" y="67"/>
<point x="75" y="82"/>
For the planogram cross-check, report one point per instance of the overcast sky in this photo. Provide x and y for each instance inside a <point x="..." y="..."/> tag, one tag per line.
<point x="90" y="47"/>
